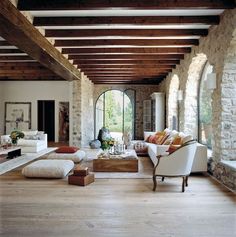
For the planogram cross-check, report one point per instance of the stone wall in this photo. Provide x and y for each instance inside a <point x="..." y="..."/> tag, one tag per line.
<point x="76" y="114"/>
<point x="143" y="92"/>
<point x="219" y="49"/>
<point x="87" y="111"/>
<point x="82" y="112"/>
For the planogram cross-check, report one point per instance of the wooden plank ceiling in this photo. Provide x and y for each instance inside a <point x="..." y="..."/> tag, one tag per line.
<point x="122" y="41"/>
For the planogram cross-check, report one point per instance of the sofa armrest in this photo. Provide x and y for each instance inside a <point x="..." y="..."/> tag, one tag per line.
<point x="162" y="149"/>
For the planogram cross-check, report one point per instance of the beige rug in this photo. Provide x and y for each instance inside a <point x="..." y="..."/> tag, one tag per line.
<point x="145" y="168"/>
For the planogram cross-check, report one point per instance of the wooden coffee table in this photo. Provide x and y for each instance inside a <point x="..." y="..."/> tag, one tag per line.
<point x="127" y="162"/>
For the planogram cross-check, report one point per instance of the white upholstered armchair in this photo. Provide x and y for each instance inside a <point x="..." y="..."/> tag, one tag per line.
<point x="177" y="164"/>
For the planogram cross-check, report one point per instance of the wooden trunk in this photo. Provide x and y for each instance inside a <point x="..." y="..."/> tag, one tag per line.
<point x="115" y="165"/>
<point x="81" y="180"/>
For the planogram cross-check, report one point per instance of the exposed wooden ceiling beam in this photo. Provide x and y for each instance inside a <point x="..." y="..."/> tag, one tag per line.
<point x="125" y="32"/>
<point x="4" y="43"/>
<point x="119" y="4"/>
<point x="120" y="62"/>
<point x="134" y="66"/>
<point x="141" y="20"/>
<point x="127" y="42"/>
<point x="127" y="57"/>
<point x="15" y="58"/>
<point x="108" y="74"/>
<point x="11" y="51"/>
<point x="126" y="50"/>
<point x="131" y="70"/>
<point x="17" y="30"/>
<point x="30" y="77"/>
<point x="21" y="65"/>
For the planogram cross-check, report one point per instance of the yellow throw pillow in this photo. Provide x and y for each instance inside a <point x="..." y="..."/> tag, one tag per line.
<point x="177" y="141"/>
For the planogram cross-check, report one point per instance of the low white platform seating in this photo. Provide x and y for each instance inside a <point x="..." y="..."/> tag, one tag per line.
<point x="48" y="169"/>
<point x="75" y="157"/>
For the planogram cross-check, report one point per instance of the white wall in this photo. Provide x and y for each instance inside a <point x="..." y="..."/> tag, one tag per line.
<point x="31" y="91"/>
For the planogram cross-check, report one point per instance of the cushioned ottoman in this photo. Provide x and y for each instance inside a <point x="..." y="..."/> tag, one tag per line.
<point x="48" y="169"/>
<point x="76" y="156"/>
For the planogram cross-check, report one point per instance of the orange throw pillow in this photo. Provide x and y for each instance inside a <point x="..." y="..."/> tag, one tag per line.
<point x="172" y="148"/>
<point x="177" y="141"/>
<point x="159" y="137"/>
<point x="67" y="149"/>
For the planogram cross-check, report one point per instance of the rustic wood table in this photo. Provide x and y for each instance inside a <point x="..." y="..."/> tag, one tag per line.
<point x="127" y="162"/>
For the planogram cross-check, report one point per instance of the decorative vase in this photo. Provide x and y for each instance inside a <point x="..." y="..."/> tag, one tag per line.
<point x="14" y="142"/>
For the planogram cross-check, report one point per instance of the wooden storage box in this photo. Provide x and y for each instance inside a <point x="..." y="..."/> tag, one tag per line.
<point x="81" y="180"/>
<point x="80" y="171"/>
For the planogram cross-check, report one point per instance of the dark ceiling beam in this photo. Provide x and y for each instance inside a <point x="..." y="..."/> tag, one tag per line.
<point x="127" y="42"/>
<point x="30" y="78"/>
<point x="18" y="31"/>
<point x="124" y="20"/>
<point x="120" y="4"/>
<point x="124" y="74"/>
<point x="25" y="71"/>
<point x="127" y="57"/>
<point x="4" y="43"/>
<point x="125" y="32"/>
<point x="151" y="70"/>
<point x="15" y="58"/>
<point x="134" y="66"/>
<point x="11" y="51"/>
<point x="120" y="62"/>
<point x="21" y="65"/>
<point x="126" y="50"/>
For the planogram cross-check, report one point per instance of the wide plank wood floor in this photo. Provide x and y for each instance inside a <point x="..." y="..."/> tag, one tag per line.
<point x="115" y="207"/>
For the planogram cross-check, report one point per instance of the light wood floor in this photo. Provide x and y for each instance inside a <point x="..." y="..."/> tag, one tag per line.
<point x="115" y="207"/>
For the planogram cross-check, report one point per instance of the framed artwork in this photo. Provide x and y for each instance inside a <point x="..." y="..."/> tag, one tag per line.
<point x="63" y="121"/>
<point x="17" y="116"/>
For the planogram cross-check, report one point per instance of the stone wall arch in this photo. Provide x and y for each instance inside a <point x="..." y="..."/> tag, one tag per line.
<point x="191" y="94"/>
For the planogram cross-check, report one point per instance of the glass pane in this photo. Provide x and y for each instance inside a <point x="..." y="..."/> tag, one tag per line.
<point x="205" y="110"/>
<point x="114" y="113"/>
<point x="99" y="114"/>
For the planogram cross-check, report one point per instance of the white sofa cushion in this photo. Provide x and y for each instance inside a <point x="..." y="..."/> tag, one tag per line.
<point x="48" y="169"/>
<point x="30" y="133"/>
<point x="75" y="157"/>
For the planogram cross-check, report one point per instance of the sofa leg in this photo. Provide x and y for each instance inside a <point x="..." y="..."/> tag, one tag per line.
<point x="183" y="184"/>
<point x="186" y="181"/>
<point x="154" y="182"/>
<point x="162" y="179"/>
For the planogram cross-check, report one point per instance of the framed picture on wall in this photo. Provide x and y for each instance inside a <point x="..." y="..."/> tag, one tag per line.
<point x="63" y="121"/>
<point x="17" y="116"/>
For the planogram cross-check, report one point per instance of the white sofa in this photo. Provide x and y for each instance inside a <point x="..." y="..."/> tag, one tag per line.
<point x="200" y="158"/>
<point x="33" y="141"/>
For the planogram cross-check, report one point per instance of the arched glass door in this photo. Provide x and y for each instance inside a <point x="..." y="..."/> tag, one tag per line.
<point x="115" y="111"/>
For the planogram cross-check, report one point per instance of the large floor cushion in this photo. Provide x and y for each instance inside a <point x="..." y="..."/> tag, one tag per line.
<point x="48" y="169"/>
<point x="76" y="156"/>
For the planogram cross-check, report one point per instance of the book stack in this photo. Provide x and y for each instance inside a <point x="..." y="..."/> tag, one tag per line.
<point x="81" y="177"/>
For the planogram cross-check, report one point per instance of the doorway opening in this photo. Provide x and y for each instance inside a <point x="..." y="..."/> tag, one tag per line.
<point x="46" y="118"/>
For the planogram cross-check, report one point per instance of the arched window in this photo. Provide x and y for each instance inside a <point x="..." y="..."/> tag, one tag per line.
<point x="205" y="109"/>
<point x="115" y="111"/>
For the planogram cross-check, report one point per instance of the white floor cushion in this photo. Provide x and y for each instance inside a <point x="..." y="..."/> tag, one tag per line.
<point x="76" y="157"/>
<point x="48" y="168"/>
